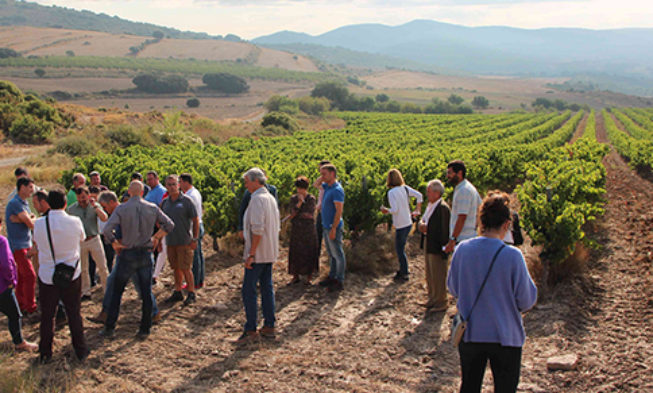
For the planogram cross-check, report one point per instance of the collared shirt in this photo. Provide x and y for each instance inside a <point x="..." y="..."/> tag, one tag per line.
<point x="88" y="215"/>
<point x="466" y="200"/>
<point x="8" y="272"/>
<point x="19" y="234"/>
<point x="181" y="211"/>
<point x="245" y="202"/>
<point x="67" y="233"/>
<point x="156" y="195"/>
<point x="136" y="218"/>
<point x="194" y="194"/>
<point x="332" y="193"/>
<point x="262" y="219"/>
<point x="400" y="205"/>
<point x="30" y="202"/>
<point x="71" y="197"/>
<point x="429" y="210"/>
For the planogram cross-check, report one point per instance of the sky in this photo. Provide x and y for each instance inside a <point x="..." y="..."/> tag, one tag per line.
<point x="253" y="18"/>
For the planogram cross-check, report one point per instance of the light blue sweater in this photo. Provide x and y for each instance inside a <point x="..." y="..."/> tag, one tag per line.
<point x="508" y="292"/>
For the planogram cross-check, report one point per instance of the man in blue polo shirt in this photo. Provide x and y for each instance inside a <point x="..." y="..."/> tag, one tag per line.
<point x="333" y="202"/>
<point x="19" y="235"/>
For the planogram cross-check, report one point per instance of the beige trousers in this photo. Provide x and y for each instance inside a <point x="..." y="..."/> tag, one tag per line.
<point x="93" y="247"/>
<point x="436" y="280"/>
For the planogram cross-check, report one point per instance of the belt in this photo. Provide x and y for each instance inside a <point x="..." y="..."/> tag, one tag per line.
<point x="90" y="237"/>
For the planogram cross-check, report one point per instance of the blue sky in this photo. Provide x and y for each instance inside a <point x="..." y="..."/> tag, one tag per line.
<point x="253" y="18"/>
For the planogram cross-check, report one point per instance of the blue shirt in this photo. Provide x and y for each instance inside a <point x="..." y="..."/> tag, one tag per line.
<point x="333" y="193"/>
<point x="508" y="292"/>
<point x="156" y="195"/>
<point x="18" y="234"/>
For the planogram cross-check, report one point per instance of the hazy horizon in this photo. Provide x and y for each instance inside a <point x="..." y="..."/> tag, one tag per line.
<point x="254" y="18"/>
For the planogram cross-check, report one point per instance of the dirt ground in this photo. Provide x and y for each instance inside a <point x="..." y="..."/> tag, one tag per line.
<point x="374" y="336"/>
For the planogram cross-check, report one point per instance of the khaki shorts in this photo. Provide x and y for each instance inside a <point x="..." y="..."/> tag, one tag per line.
<point x="180" y="257"/>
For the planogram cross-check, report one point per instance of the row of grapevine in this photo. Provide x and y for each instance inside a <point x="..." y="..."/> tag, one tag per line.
<point x="635" y="147"/>
<point x="496" y="149"/>
<point x="590" y="127"/>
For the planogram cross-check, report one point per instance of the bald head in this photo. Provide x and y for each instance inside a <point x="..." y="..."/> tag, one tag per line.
<point x="135" y="188"/>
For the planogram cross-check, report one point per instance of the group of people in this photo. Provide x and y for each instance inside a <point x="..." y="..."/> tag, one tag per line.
<point x="150" y="223"/>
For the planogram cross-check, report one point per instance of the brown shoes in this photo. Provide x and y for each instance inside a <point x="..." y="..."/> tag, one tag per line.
<point x="267" y="332"/>
<point x="101" y="318"/>
<point x="247" y="337"/>
<point x="156" y="319"/>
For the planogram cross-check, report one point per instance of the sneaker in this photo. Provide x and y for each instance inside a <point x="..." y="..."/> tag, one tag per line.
<point x="142" y="334"/>
<point x="326" y="282"/>
<point x="27" y="346"/>
<point x="106" y="332"/>
<point x="175" y="297"/>
<point x="156" y="318"/>
<point x="190" y="299"/>
<point x="267" y="332"/>
<point x="100" y="318"/>
<point x="247" y="336"/>
<point x="337" y="286"/>
<point x="199" y="285"/>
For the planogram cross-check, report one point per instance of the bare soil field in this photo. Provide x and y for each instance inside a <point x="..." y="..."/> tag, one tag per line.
<point x="374" y="336"/>
<point x="504" y="93"/>
<point x="56" y="42"/>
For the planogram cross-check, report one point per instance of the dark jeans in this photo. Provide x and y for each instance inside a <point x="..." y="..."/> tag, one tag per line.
<point x="108" y="294"/>
<point x="320" y="229"/>
<point x="109" y="253"/>
<point x="260" y="273"/>
<point x="134" y="261"/>
<point x="9" y="307"/>
<point x="49" y="296"/>
<point x="505" y="363"/>
<point x="401" y="236"/>
<point x="198" y="260"/>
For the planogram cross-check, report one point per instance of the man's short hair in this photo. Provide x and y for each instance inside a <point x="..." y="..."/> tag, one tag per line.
<point x="77" y="176"/>
<point x="137" y="176"/>
<point x="20" y="171"/>
<point x="323" y="162"/>
<point x="330" y="168"/>
<point x="107" y="196"/>
<point x="302" y="182"/>
<point x="255" y="174"/>
<point x="458" y="166"/>
<point x="81" y="189"/>
<point x="94" y="190"/>
<point x="57" y="199"/>
<point x="171" y="177"/>
<point x="41" y="195"/>
<point x="94" y="173"/>
<point x="436" y="185"/>
<point x="153" y="173"/>
<point x="187" y="177"/>
<point x="23" y="181"/>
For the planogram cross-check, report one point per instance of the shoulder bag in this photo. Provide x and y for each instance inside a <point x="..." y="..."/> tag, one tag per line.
<point x="63" y="274"/>
<point x="459" y="323"/>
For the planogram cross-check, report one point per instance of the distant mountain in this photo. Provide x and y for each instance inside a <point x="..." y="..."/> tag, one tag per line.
<point x="19" y="13"/>
<point x="494" y="50"/>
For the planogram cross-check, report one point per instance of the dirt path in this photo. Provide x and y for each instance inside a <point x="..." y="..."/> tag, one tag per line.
<point x="580" y="129"/>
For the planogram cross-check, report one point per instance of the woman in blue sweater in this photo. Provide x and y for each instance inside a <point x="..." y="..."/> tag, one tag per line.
<point x="495" y="329"/>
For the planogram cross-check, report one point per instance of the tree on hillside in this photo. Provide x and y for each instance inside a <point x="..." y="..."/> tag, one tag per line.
<point x="335" y="92"/>
<point x="227" y="83"/>
<point x="480" y="102"/>
<point x="8" y="52"/>
<point x="382" y="97"/>
<point x="455" y="99"/>
<point x="40" y="72"/>
<point x="158" y="35"/>
<point x="278" y="103"/>
<point x="152" y="83"/>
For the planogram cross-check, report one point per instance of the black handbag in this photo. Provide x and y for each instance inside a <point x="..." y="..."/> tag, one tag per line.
<point x="63" y="274"/>
<point x="459" y="323"/>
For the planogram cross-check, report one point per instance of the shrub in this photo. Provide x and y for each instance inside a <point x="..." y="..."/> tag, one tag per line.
<point x="8" y="52"/>
<point x="313" y="105"/>
<point x="10" y="93"/>
<point x="125" y="135"/>
<point x="70" y="53"/>
<point x="279" y="103"/>
<point x="335" y="92"/>
<point x="40" y="72"/>
<point x="382" y="97"/>
<point x="455" y="99"/>
<point x="480" y="102"/>
<point x="75" y="146"/>
<point x="193" y="102"/>
<point x="226" y="83"/>
<point x="30" y="129"/>
<point x="152" y="83"/>
<point x="60" y="95"/>
<point x="280" y="119"/>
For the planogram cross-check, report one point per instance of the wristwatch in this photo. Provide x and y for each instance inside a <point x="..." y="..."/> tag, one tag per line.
<point x="455" y="239"/>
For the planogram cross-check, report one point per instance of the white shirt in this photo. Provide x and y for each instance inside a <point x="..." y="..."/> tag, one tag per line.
<point x="429" y="211"/>
<point x="67" y="234"/>
<point x="400" y="206"/>
<point x="195" y="196"/>
<point x="262" y="218"/>
<point x="466" y="200"/>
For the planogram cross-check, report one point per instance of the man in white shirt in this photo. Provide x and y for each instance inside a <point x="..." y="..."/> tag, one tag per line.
<point x="67" y="234"/>
<point x="186" y="186"/>
<point x="261" y="232"/>
<point x="464" y="207"/>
